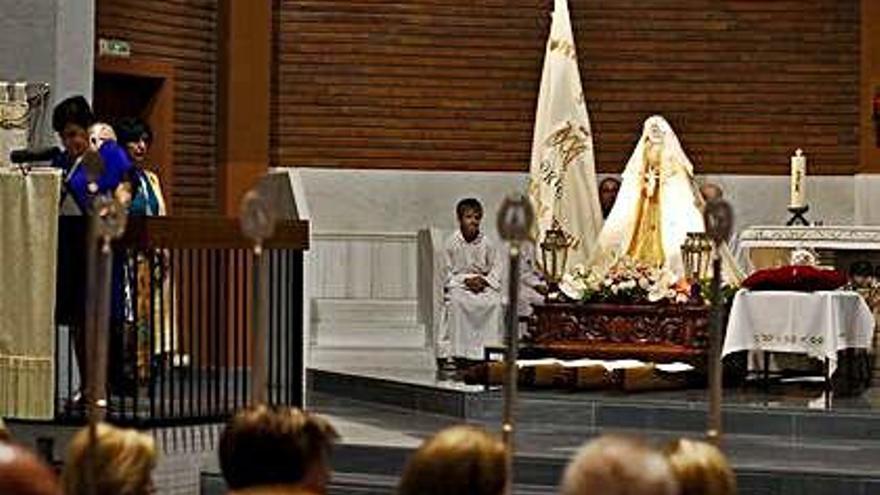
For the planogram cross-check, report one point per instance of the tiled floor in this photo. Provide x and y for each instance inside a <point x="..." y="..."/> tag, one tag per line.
<point x="788" y="440"/>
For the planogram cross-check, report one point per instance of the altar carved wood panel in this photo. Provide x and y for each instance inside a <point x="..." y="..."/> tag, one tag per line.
<point x="660" y="333"/>
<point x="452" y="84"/>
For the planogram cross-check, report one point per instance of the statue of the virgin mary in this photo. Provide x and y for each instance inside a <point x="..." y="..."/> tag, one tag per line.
<point x="656" y="206"/>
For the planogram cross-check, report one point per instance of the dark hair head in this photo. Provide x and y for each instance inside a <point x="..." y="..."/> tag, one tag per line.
<point x="131" y="129"/>
<point x="468" y="204"/>
<point x="73" y="110"/>
<point x="861" y="269"/>
<point x="273" y="446"/>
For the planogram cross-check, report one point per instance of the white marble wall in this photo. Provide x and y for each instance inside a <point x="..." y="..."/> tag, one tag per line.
<point x="867" y="199"/>
<point x="363" y="265"/>
<point x="49" y="41"/>
<point x="399" y="201"/>
<point x="762" y="200"/>
<point x="364" y="223"/>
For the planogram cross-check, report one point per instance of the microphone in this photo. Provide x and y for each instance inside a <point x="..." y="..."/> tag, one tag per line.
<point x="34" y="155"/>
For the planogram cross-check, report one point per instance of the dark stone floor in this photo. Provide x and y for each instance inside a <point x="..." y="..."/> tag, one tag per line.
<point x="788" y="439"/>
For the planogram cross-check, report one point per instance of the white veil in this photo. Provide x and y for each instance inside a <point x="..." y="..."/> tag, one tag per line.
<point x="679" y="213"/>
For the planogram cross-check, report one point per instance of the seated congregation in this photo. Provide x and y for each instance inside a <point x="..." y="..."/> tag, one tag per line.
<point x="269" y="450"/>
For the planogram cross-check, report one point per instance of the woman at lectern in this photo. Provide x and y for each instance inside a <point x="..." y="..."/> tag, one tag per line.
<point x="90" y="167"/>
<point x="92" y="163"/>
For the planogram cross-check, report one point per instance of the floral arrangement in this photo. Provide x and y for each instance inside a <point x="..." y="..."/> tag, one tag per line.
<point x="627" y="280"/>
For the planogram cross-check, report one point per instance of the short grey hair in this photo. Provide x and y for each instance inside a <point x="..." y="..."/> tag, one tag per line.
<point x="612" y="465"/>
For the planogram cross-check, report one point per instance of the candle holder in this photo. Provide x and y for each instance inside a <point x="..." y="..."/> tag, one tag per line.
<point x="797" y="215"/>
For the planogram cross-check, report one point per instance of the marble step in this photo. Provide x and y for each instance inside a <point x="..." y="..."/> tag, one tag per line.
<point x="391" y="311"/>
<point x="360" y="360"/>
<point x="377" y="439"/>
<point x="684" y="411"/>
<point x="368" y="335"/>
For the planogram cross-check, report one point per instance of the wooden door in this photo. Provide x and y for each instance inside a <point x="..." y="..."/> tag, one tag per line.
<point x="138" y="87"/>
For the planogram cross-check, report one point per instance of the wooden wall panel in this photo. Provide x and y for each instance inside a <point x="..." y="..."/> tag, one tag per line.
<point x="870" y="71"/>
<point x="452" y="84"/>
<point x="184" y="34"/>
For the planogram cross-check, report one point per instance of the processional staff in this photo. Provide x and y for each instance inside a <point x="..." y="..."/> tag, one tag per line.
<point x="515" y="219"/>
<point x="106" y="222"/>
<point x="718" y="217"/>
<point x="258" y="224"/>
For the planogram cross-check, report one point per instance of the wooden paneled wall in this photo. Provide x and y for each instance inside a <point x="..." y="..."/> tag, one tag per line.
<point x="870" y="87"/>
<point x="183" y="33"/>
<point x="452" y="84"/>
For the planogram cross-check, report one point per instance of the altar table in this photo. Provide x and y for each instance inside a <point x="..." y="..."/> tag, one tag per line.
<point x="818" y="324"/>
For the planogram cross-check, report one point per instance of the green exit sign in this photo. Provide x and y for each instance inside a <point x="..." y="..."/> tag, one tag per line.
<point x="114" y="48"/>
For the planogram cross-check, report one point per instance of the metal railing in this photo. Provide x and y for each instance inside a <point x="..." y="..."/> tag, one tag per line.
<point x="181" y="319"/>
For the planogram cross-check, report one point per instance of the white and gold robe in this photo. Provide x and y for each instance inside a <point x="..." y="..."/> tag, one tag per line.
<point x="470" y="321"/>
<point x="663" y="188"/>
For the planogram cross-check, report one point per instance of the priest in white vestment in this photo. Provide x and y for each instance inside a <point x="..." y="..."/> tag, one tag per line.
<point x="473" y="313"/>
<point x="656" y="206"/>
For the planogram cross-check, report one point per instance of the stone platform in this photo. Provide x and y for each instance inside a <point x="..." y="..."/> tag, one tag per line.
<point x="790" y="439"/>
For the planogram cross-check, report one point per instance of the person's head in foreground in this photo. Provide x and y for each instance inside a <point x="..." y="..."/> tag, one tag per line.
<point x="124" y="458"/>
<point x="457" y="460"/>
<point x="700" y="468"/>
<point x="612" y="465"/>
<point x="22" y="473"/>
<point x="284" y="448"/>
<point x="469" y="212"/>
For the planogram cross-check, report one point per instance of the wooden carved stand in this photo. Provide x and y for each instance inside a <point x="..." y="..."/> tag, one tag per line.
<point x="656" y="333"/>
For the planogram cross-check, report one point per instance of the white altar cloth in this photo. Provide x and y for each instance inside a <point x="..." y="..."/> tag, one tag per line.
<point x="814" y="323"/>
<point x="28" y="253"/>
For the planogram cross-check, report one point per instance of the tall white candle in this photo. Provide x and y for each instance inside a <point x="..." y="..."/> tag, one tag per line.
<point x="798" y="180"/>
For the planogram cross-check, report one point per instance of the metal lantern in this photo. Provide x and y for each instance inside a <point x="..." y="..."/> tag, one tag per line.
<point x="554" y="254"/>
<point x="696" y="252"/>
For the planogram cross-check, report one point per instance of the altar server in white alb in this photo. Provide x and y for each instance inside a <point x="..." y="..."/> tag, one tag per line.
<point x="472" y="307"/>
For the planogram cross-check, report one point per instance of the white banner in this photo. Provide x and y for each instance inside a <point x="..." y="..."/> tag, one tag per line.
<point x="562" y="181"/>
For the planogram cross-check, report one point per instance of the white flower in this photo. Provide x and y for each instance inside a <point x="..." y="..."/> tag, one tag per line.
<point x="573" y="287"/>
<point x="644" y="283"/>
<point x="681" y="298"/>
<point x="655" y="295"/>
<point x="580" y="270"/>
<point x="615" y="288"/>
